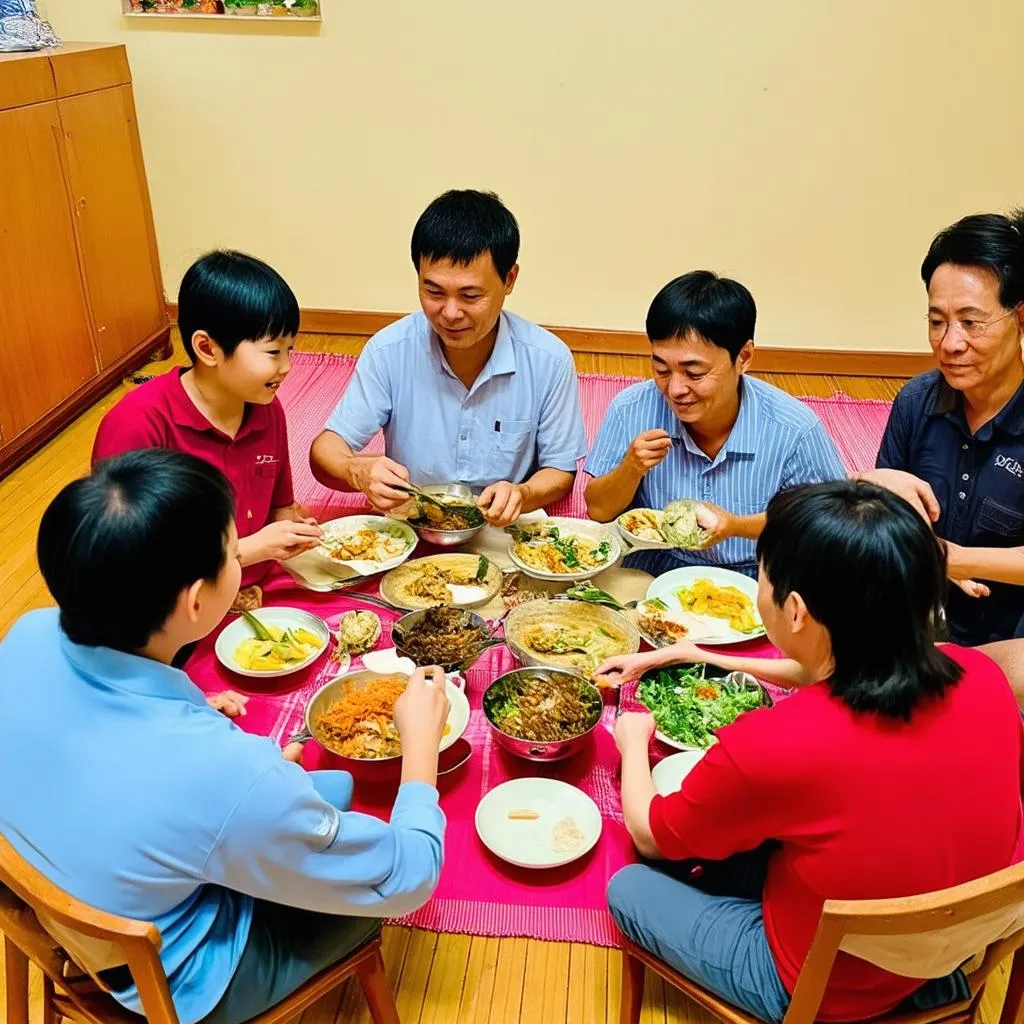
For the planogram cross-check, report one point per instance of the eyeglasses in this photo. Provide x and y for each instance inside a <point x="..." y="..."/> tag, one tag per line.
<point x="938" y="328"/>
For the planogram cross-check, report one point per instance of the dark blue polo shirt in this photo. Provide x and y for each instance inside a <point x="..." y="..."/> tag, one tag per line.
<point x="979" y="481"/>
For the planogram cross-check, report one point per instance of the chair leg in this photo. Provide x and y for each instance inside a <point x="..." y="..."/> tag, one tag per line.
<point x="633" y="972"/>
<point x="16" y="983"/>
<point x="381" y="1000"/>
<point x="1013" y="1006"/>
<point x="50" y="1015"/>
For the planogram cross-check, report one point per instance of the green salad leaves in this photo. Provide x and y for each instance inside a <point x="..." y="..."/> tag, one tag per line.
<point x="688" y="708"/>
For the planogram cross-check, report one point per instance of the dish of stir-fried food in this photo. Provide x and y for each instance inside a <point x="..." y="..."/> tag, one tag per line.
<point x="547" y="710"/>
<point x="549" y="548"/>
<point x="730" y="603"/>
<point x="434" y="582"/>
<point x="454" y="516"/>
<point x="576" y="647"/>
<point x="273" y="648"/>
<point x="644" y="523"/>
<point x="361" y="724"/>
<point x="364" y="544"/>
<point x="444" y="636"/>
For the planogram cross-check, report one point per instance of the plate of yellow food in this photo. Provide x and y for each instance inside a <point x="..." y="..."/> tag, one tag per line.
<point x="456" y="580"/>
<point x="272" y="642"/>
<point x="718" y="606"/>
<point x="366" y="544"/>
<point x="562" y="549"/>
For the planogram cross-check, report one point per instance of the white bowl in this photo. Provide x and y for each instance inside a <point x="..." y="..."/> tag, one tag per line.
<point x="638" y="543"/>
<point x="530" y="844"/>
<point x="584" y="527"/>
<point x="283" y="618"/>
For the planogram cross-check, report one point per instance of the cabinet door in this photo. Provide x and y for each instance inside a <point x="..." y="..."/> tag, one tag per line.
<point x="115" y="227"/>
<point x="46" y="348"/>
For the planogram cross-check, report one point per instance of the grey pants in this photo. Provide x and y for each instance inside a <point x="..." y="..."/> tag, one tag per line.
<point x="710" y="927"/>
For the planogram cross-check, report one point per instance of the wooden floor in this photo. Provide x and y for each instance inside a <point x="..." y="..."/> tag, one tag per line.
<point x="439" y="979"/>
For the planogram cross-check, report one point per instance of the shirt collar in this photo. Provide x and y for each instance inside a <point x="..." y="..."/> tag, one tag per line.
<point x="185" y="414"/>
<point x="949" y="402"/>
<point x="131" y="672"/>
<point x="501" y="361"/>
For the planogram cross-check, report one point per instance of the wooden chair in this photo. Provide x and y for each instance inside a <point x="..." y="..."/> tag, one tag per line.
<point x="919" y="937"/>
<point x="71" y="991"/>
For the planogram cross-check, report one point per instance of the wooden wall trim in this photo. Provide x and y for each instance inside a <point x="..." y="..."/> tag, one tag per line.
<point x="30" y="440"/>
<point x="838" y="362"/>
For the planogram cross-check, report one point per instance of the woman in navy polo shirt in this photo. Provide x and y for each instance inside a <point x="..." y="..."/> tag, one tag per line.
<point x="960" y="428"/>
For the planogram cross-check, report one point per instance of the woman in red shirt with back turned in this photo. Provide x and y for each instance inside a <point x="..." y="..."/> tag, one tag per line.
<point x="895" y="769"/>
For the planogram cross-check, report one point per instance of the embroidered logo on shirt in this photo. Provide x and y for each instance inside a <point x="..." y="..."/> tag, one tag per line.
<point x="1010" y="465"/>
<point x="265" y="460"/>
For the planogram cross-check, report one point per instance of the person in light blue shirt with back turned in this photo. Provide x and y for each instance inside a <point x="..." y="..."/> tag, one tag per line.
<point x="704" y="429"/>
<point x="464" y="391"/>
<point x="254" y="871"/>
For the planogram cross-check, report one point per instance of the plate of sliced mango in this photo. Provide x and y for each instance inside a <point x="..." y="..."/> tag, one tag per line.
<point x="272" y="642"/>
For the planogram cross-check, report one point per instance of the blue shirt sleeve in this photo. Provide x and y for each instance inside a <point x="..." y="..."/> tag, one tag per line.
<point x="894" y="451"/>
<point x="610" y="445"/>
<point x="284" y="842"/>
<point x="366" y="405"/>
<point x="813" y="461"/>
<point x="561" y="439"/>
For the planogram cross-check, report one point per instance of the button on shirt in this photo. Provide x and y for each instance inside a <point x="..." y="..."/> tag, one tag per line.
<point x="521" y="414"/>
<point x="159" y="414"/>
<point x="979" y="482"/>
<point x="775" y="443"/>
<point x="171" y="814"/>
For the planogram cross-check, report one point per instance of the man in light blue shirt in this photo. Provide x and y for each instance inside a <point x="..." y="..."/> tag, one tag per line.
<point x="254" y="871"/>
<point x="703" y="429"/>
<point x="465" y="392"/>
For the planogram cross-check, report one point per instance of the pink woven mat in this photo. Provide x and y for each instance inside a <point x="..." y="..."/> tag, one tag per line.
<point x="478" y="894"/>
<point x="316" y="383"/>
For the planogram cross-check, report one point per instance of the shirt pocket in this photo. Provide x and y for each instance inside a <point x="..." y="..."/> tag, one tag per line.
<point x="1000" y="521"/>
<point x="514" y="436"/>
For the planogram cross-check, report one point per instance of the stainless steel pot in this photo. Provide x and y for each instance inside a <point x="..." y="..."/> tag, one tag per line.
<point x="448" y="538"/>
<point x="407" y="624"/>
<point x="534" y="750"/>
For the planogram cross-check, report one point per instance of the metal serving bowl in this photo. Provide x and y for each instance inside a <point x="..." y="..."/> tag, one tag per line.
<point x="532" y="750"/>
<point x="448" y="538"/>
<point x="407" y="625"/>
<point x="377" y="769"/>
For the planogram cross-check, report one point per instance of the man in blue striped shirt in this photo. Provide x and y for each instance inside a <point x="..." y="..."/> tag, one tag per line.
<point x="703" y="429"/>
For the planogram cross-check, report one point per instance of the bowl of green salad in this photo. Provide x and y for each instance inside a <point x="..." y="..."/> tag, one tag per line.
<point x="690" y="702"/>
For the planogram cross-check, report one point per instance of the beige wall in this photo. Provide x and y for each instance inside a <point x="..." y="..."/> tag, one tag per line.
<point x="809" y="148"/>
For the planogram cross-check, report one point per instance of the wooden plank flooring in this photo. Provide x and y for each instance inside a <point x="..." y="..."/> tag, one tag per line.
<point x="439" y="979"/>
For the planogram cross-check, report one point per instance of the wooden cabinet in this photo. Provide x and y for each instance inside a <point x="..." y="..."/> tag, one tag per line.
<point x="81" y="298"/>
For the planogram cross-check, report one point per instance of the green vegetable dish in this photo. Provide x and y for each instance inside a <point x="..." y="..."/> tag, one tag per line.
<point x="688" y="707"/>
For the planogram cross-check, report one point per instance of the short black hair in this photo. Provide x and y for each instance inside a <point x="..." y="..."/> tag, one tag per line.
<point x="463" y="224"/>
<point x="234" y="298"/>
<point x="118" y="547"/>
<point x="717" y="309"/>
<point x="989" y="240"/>
<point x="871" y="571"/>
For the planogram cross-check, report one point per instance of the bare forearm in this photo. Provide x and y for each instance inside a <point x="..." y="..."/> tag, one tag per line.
<point x="545" y="487"/>
<point x="748" y="527"/>
<point x="610" y="495"/>
<point x="781" y="671"/>
<point x="419" y="764"/>
<point x="998" y="565"/>
<point x="332" y="462"/>
<point x="637" y="793"/>
<point x="250" y="550"/>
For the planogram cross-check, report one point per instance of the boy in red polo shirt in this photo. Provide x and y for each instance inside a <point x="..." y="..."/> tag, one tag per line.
<point x="237" y="318"/>
<point x="894" y="770"/>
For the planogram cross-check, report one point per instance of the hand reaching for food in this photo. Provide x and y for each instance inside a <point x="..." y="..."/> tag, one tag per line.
<point x="382" y="480"/>
<point x="422" y="710"/>
<point x="623" y="668"/>
<point x="228" y="703"/>
<point x="501" y="503"/>
<point x="279" y="541"/>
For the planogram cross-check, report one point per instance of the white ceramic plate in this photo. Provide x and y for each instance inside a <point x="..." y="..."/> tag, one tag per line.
<point x="668" y="774"/>
<point x="584" y="527"/>
<point x="283" y="618"/>
<point x="638" y="543"/>
<point x="707" y="629"/>
<point x="531" y="844"/>
<point x="363" y="566"/>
